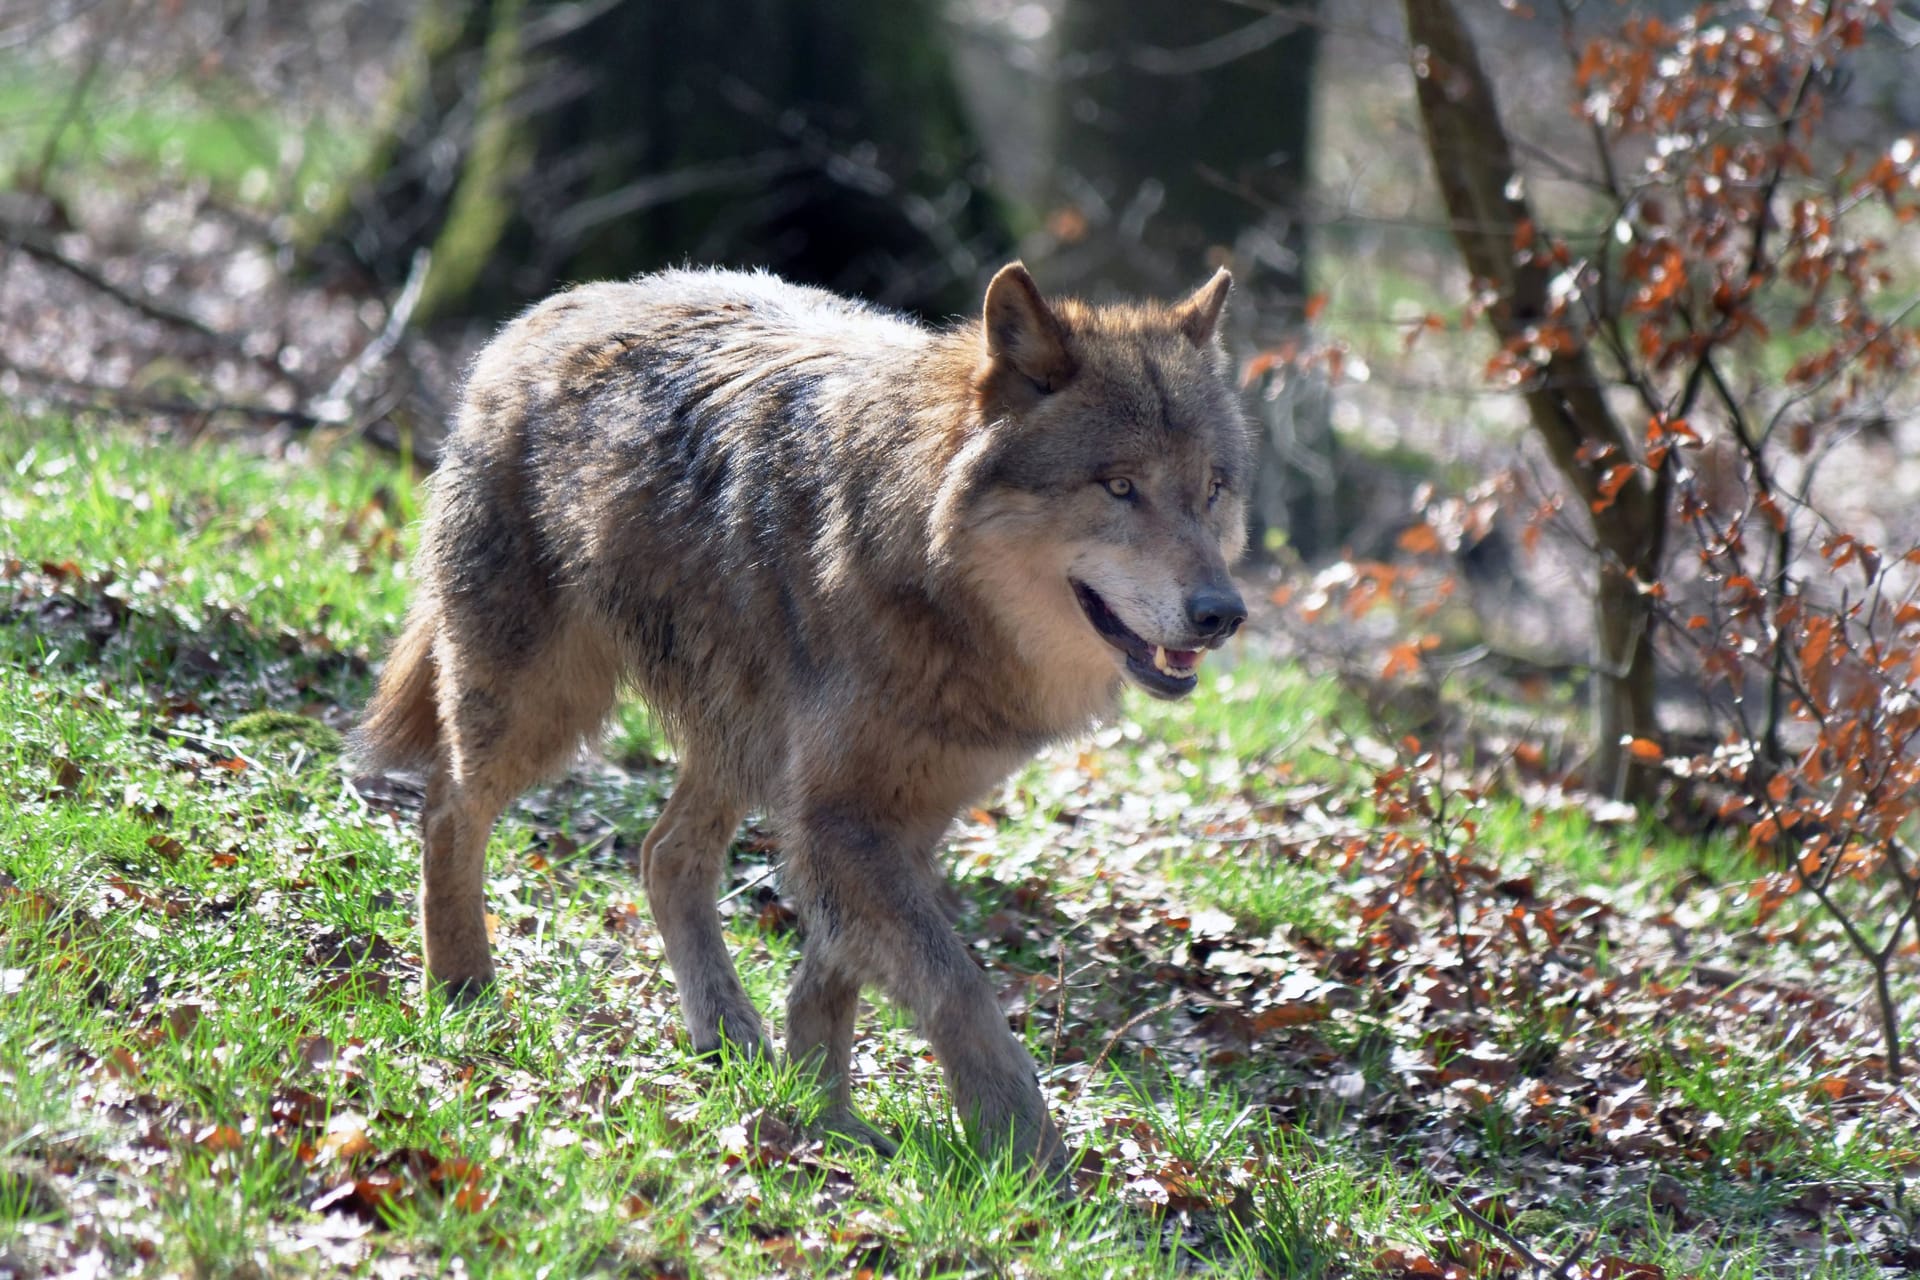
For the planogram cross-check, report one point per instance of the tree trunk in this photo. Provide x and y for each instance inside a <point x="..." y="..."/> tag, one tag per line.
<point x="535" y="142"/>
<point x="1622" y="687"/>
<point x="1480" y="184"/>
<point x="1183" y="131"/>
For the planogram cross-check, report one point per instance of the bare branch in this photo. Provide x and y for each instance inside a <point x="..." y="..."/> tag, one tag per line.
<point x="336" y="406"/>
<point x="38" y="246"/>
<point x="1219" y="51"/>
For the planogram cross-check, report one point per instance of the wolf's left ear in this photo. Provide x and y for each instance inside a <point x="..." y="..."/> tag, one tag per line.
<point x="1199" y="316"/>
<point x="1022" y="331"/>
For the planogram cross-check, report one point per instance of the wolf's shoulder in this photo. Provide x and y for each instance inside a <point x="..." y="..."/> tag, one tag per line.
<point x="720" y="286"/>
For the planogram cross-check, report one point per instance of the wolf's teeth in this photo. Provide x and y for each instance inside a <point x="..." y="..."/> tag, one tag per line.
<point x="1164" y="665"/>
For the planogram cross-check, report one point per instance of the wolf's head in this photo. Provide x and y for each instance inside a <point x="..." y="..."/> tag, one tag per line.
<point x="1103" y="492"/>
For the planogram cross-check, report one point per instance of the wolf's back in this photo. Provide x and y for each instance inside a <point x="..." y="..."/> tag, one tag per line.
<point x="723" y="423"/>
<point x="687" y="465"/>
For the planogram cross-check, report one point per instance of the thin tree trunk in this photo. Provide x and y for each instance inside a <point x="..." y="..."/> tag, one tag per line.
<point x="1567" y="406"/>
<point x="1623" y="689"/>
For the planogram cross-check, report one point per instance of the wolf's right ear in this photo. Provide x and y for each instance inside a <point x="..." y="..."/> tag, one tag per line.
<point x="1023" y="333"/>
<point x="1199" y="316"/>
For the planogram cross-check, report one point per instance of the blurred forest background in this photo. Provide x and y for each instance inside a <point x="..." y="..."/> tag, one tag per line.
<point x="290" y="219"/>
<point x="297" y="221"/>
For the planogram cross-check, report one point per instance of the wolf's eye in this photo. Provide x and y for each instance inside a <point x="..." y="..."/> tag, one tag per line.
<point x="1119" y="486"/>
<point x="1215" y="489"/>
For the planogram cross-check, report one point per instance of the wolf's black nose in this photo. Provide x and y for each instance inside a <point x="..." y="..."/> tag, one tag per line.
<point x="1216" y="613"/>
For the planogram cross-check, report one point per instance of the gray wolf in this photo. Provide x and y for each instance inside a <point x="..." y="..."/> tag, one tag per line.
<point x="861" y="570"/>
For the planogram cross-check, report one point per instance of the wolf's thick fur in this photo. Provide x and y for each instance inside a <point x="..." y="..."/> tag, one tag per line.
<point x="860" y="569"/>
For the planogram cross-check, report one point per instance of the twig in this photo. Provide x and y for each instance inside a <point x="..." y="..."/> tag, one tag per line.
<point x="560" y="21"/>
<point x="1060" y="1003"/>
<point x="1138" y="1018"/>
<point x="1213" y="1152"/>
<point x="70" y="109"/>
<point x="34" y="246"/>
<point x="1493" y="1228"/>
<point x="1212" y="54"/>
<point x="335" y="407"/>
<point x="658" y="189"/>
<point x="38" y="28"/>
<point x="754" y="883"/>
<point x="218" y="744"/>
<point x="1565" y="1270"/>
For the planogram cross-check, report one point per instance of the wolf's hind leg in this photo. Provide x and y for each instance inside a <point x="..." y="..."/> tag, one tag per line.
<point x="506" y="722"/>
<point x="680" y="864"/>
<point x="453" y="910"/>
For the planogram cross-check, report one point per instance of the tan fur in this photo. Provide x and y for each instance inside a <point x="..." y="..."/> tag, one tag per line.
<point x="400" y="726"/>
<point x="860" y="569"/>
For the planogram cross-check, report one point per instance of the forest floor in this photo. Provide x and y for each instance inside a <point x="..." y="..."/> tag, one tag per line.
<point x="1310" y="998"/>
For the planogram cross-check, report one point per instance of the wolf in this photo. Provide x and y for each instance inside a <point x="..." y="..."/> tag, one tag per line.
<point x="860" y="569"/>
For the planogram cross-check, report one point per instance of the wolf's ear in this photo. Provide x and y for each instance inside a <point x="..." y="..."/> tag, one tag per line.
<point x="1023" y="333"/>
<point x="1199" y="316"/>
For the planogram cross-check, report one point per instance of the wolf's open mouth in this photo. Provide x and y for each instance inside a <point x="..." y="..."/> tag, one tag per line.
<point x="1163" y="672"/>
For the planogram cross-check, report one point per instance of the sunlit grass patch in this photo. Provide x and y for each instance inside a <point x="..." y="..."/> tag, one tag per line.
<point x="315" y="545"/>
<point x="1252" y="722"/>
<point x="1634" y="854"/>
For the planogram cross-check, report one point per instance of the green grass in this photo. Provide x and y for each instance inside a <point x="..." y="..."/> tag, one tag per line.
<point x="216" y="1058"/>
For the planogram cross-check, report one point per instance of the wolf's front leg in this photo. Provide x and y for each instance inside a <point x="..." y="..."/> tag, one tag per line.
<point x="870" y="909"/>
<point x="820" y="1013"/>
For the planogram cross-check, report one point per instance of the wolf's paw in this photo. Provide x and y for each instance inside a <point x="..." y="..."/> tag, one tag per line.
<point x="740" y="1035"/>
<point x="462" y="992"/>
<point x="727" y="1047"/>
<point x="841" y="1126"/>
